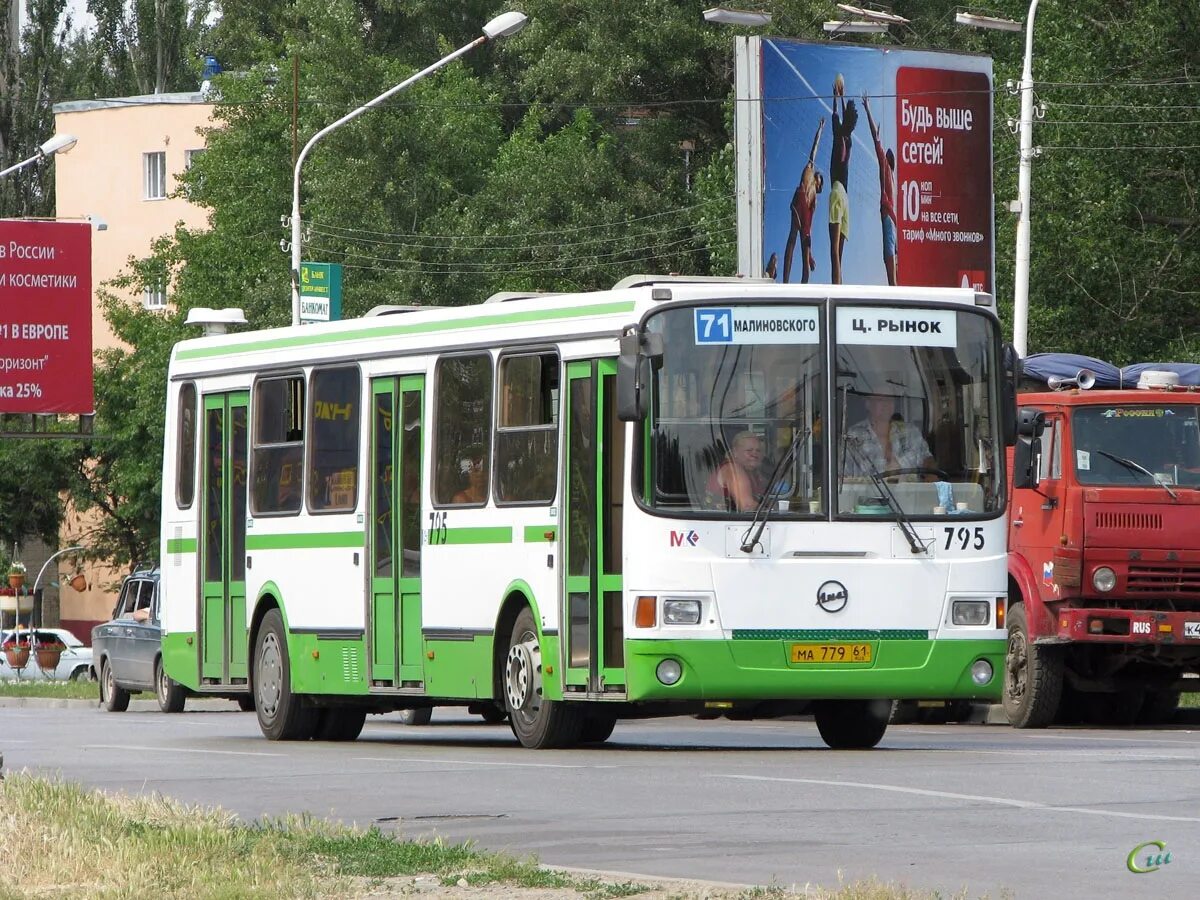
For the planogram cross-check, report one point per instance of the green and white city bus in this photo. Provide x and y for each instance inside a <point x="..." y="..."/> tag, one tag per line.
<point x="528" y="507"/>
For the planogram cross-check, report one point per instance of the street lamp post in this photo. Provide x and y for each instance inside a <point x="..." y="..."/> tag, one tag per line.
<point x="502" y="26"/>
<point x="60" y="143"/>
<point x="1024" y="172"/>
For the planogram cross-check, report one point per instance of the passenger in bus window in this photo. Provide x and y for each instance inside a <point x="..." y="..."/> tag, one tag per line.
<point x="738" y="483"/>
<point x="883" y="441"/>
<point x="476" y="475"/>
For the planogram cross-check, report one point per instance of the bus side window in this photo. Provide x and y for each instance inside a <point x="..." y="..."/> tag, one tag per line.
<point x="333" y="439"/>
<point x="462" y="429"/>
<point x="277" y="453"/>
<point x="527" y="429"/>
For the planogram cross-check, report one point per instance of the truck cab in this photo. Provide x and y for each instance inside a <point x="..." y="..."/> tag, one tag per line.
<point x="1104" y="553"/>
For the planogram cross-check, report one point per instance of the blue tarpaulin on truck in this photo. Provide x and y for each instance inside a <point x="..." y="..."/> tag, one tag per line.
<point x="1040" y="366"/>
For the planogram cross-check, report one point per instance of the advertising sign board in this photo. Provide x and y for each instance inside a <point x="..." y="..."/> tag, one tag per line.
<point x="45" y="317"/>
<point x="864" y="165"/>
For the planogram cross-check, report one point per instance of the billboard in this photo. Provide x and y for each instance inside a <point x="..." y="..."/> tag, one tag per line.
<point x="864" y="165"/>
<point x="45" y="317"/>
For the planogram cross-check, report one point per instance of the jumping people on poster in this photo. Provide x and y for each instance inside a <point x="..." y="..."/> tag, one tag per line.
<point x="804" y="204"/>
<point x="887" y="194"/>
<point x="845" y="117"/>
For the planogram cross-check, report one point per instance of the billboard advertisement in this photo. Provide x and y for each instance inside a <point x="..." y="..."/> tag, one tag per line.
<point x="864" y="165"/>
<point x="45" y="317"/>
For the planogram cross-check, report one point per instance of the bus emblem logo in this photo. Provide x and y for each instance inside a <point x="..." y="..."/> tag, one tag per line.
<point x="832" y="596"/>
<point x="679" y="538"/>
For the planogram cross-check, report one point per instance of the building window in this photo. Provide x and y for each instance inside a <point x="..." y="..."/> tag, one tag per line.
<point x="154" y="297"/>
<point x="190" y="157"/>
<point x="154" y="175"/>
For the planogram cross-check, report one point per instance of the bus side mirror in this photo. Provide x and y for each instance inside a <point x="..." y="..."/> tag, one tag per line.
<point x="1008" y="394"/>
<point x="641" y="354"/>
<point x="1027" y="454"/>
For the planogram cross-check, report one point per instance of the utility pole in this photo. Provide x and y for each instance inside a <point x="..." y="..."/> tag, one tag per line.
<point x="1024" y="179"/>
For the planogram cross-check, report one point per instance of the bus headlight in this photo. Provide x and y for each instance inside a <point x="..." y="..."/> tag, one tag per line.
<point x="971" y="612"/>
<point x="681" y="612"/>
<point x="1104" y="579"/>
<point x="669" y="671"/>
<point x="981" y="671"/>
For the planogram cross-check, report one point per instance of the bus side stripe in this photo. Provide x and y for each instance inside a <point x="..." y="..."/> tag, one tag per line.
<point x="496" y="535"/>
<point x="304" y="541"/>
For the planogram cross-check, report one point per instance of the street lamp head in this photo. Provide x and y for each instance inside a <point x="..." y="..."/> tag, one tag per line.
<point x="60" y="143"/>
<point x="722" y="16"/>
<point x="992" y="22"/>
<point x="505" y="24"/>
<point x="855" y="26"/>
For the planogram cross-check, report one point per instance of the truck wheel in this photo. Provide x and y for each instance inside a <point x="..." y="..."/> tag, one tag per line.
<point x="1159" y="708"/>
<point x="1033" y="676"/>
<point x="170" y="693"/>
<point x="852" y="724"/>
<point x="537" y="722"/>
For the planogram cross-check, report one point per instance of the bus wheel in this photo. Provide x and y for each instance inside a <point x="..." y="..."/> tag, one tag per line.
<point x="245" y="702"/>
<point x="852" y="724"/>
<point x="115" y="699"/>
<point x="340" y="724"/>
<point x="419" y="716"/>
<point x="170" y="693"/>
<point x="1033" y="676"/>
<point x="282" y="715"/>
<point x="597" y="728"/>
<point x="538" y="723"/>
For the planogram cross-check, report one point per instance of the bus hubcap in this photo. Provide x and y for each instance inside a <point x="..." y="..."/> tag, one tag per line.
<point x="521" y="683"/>
<point x="270" y="676"/>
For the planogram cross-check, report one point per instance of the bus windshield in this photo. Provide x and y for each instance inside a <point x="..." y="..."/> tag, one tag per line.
<point x="746" y="405"/>
<point x="1161" y="441"/>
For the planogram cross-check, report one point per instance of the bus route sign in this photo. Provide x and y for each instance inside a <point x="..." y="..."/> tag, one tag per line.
<point x="320" y="292"/>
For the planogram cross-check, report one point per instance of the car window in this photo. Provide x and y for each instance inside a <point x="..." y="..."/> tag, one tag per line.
<point x="124" y="607"/>
<point x="67" y="638"/>
<point x="154" y="606"/>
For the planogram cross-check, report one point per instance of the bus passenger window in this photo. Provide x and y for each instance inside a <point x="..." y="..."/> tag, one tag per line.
<point x="334" y="439"/>
<point x="277" y="453"/>
<point x="463" y="429"/>
<point x="527" y="429"/>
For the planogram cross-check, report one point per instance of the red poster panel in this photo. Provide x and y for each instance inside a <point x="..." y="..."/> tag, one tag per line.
<point x="944" y="179"/>
<point x="45" y="317"/>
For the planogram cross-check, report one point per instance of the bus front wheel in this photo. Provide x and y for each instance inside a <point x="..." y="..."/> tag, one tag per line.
<point x="537" y="722"/>
<point x="852" y="724"/>
<point x="282" y="715"/>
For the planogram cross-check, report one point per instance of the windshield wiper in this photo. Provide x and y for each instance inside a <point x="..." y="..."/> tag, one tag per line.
<point x="910" y="533"/>
<point x="763" y="511"/>
<point x="1138" y="467"/>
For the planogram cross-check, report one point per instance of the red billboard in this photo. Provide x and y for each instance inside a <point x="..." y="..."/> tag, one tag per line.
<point x="45" y="317"/>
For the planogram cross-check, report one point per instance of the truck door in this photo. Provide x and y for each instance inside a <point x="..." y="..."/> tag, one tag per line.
<point x="1036" y="517"/>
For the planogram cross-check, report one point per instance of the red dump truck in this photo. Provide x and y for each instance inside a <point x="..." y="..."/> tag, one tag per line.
<point x="1104" y="551"/>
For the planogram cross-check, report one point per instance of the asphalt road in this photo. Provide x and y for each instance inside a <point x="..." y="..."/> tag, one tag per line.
<point x="981" y="807"/>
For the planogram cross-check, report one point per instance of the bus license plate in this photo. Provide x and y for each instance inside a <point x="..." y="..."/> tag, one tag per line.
<point x="831" y="653"/>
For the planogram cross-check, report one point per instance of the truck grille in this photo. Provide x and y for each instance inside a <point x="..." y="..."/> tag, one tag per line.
<point x="1139" y="521"/>
<point x="1164" y="580"/>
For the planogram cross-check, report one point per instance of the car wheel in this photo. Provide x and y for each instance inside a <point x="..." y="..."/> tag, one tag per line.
<point x="82" y="673"/>
<point x="538" y="722"/>
<point x="171" y="694"/>
<point x="419" y="716"/>
<point x="282" y="715"/>
<point x="114" y="698"/>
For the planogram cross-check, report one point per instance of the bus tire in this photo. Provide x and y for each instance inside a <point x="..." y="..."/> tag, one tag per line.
<point x="245" y="702"/>
<point x="340" y="723"/>
<point x="537" y="722"/>
<point x="282" y="715"/>
<point x="852" y="724"/>
<point x="1159" y="708"/>
<point x="114" y="698"/>
<point x="904" y="712"/>
<point x="597" y="728"/>
<point x="418" y="716"/>
<point x="170" y="693"/>
<point x="1033" y="676"/>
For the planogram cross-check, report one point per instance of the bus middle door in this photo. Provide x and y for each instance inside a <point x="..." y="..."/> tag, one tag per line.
<point x="595" y="459"/>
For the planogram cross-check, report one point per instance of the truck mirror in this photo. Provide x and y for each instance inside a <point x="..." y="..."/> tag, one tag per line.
<point x="1027" y="462"/>
<point x="1031" y="422"/>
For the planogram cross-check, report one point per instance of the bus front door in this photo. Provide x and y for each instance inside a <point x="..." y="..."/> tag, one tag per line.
<point x="594" y="634"/>
<point x="223" y="636"/>
<point x="397" y="421"/>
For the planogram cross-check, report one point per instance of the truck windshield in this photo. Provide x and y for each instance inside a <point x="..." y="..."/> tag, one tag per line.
<point x="739" y="383"/>
<point x="1163" y="439"/>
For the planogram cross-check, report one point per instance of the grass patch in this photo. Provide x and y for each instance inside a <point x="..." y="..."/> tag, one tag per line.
<point x="62" y="690"/>
<point x="74" y="842"/>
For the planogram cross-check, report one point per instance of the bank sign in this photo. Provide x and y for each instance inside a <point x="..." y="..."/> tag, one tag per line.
<point x="864" y="165"/>
<point x="320" y="292"/>
<point x="45" y="317"/>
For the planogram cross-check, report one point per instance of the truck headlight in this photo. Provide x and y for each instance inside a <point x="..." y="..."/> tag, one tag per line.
<point x="681" y="612"/>
<point x="1104" y="579"/>
<point x="971" y="612"/>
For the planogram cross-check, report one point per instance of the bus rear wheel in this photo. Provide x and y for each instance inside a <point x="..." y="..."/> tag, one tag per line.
<point x="852" y="724"/>
<point x="1033" y="676"/>
<point x="282" y="715"/>
<point x="537" y="722"/>
<point x="340" y="723"/>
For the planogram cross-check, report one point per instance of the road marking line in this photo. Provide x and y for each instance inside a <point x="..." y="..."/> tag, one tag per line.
<point x="981" y="798"/>
<point x="471" y="762"/>
<point x="178" y="750"/>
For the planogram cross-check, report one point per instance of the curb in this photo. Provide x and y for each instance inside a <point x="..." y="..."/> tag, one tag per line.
<point x="136" y="705"/>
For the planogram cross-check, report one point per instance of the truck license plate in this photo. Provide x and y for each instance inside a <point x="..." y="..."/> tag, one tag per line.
<point x="1191" y="629"/>
<point x="831" y="653"/>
